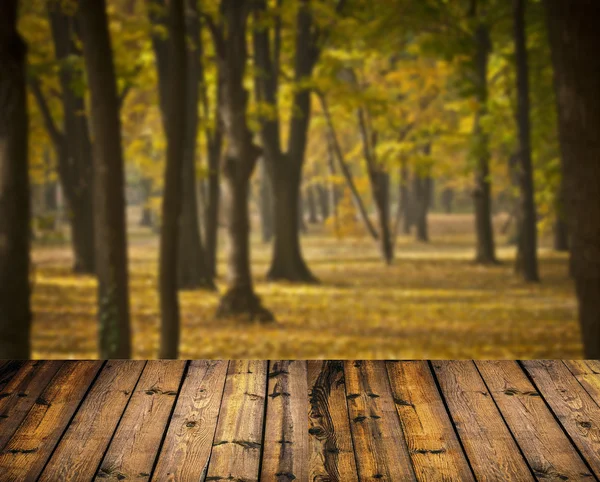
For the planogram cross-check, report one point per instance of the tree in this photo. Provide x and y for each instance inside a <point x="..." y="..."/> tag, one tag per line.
<point x="15" y="310"/>
<point x="72" y="144"/>
<point x="240" y="159"/>
<point x="109" y="201"/>
<point x="528" y="265"/>
<point x="574" y="39"/>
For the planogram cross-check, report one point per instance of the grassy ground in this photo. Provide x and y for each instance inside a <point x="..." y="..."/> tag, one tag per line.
<point x="432" y="303"/>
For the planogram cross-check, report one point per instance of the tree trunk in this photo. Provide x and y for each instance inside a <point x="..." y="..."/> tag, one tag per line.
<point x="406" y="200"/>
<point x="322" y="201"/>
<point x="147" y="218"/>
<point x="574" y="38"/>
<point x="175" y="122"/>
<point x="528" y="226"/>
<point x="239" y="162"/>
<point x="422" y="197"/>
<point x="211" y="215"/>
<point x="266" y="203"/>
<point x="15" y="310"/>
<point x="109" y="202"/>
<point x="448" y="199"/>
<point x="486" y="251"/>
<point x="311" y="202"/>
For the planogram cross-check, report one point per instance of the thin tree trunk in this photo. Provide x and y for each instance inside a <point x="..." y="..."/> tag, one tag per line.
<point x="486" y="251"/>
<point x="406" y="200"/>
<point x="422" y="196"/>
<point x="311" y="202"/>
<point x="109" y="202"/>
<point x="322" y="201"/>
<point x="147" y="219"/>
<point x="266" y="203"/>
<point x="15" y="310"/>
<point x="528" y="226"/>
<point x="574" y="38"/>
<point x="448" y="199"/>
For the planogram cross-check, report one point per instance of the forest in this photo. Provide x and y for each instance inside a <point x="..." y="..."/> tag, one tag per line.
<point x="299" y="179"/>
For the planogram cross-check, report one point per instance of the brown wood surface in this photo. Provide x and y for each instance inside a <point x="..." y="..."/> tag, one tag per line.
<point x="26" y="453"/>
<point x="488" y="443"/>
<point x="543" y="442"/>
<point x="381" y="452"/>
<point x="285" y="449"/>
<point x="330" y="441"/>
<point x="237" y="445"/>
<point x="283" y="421"/>
<point x="20" y="393"/>
<point x="188" y="444"/>
<point x="80" y="451"/>
<point x="133" y="450"/>
<point x="433" y="445"/>
<point x="573" y="406"/>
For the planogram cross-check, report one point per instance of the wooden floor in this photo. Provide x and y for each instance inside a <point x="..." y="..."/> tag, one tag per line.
<point x="297" y="420"/>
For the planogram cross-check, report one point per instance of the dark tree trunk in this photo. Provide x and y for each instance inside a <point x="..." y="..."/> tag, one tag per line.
<point x="15" y="310"/>
<point x="311" y="202"/>
<point x="266" y="203"/>
<point x="528" y="266"/>
<point x="239" y="161"/>
<point x="73" y="146"/>
<point x="147" y="219"/>
<point x="173" y="106"/>
<point x="301" y="210"/>
<point x="574" y="38"/>
<point x="406" y="200"/>
<point x="285" y="169"/>
<point x="486" y="251"/>
<point x="322" y="201"/>
<point x="109" y="202"/>
<point x="448" y="199"/>
<point x="422" y="198"/>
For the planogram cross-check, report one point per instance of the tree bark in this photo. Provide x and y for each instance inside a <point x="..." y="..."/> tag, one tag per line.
<point x="528" y="266"/>
<point x="239" y="162"/>
<point x="574" y="38"/>
<point x="486" y="251"/>
<point x="322" y="201"/>
<point x="311" y="202"/>
<point x="109" y="202"/>
<point x="422" y="202"/>
<point x="266" y="203"/>
<point x="15" y="310"/>
<point x="448" y="199"/>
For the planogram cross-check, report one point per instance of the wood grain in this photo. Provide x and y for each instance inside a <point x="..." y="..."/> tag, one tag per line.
<point x="187" y="446"/>
<point x="587" y="373"/>
<point x="238" y="444"/>
<point x="379" y="445"/>
<point x="577" y="412"/>
<point x="20" y="393"/>
<point x="433" y="445"/>
<point x="543" y="442"/>
<point x="285" y="451"/>
<point x="25" y="454"/>
<point x="330" y="441"/>
<point x="80" y="451"/>
<point x="488" y="443"/>
<point x="9" y="368"/>
<point x="133" y="450"/>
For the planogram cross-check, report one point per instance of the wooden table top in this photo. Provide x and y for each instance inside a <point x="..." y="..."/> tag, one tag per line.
<point x="283" y="421"/>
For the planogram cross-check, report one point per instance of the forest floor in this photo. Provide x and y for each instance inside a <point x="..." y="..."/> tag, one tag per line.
<point x="433" y="302"/>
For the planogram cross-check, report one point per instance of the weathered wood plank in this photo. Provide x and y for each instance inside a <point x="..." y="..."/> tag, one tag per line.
<point x="187" y="446"/>
<point x="25" y="454"/>
<point x="330" y="441"/>
<point x="588" y="374"/>
<point x="572" y="405"/>
<point x="237" y="445"/>
<point x="379" y="445"/>
<point x="488" y="443"/>
<point x="433" y="446"/>
<point x="80" y="451"/>
<point x="133" y="450"/>
<point x="285" y="452"/>
<point x="9" y="368"/>
<point x="549" y="452"/>
<point x="21" y="392"/>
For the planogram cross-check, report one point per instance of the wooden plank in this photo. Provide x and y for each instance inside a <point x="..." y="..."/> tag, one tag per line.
<point x="27" y="451"/>
<point x="135" y="445"/>
<point x="572" y="405"/>
<point x="21" y="392"/>
<point x="587" y="373"/>
<point x="187" y="446"/>
<point x="379" y="445"/>
<point x="330" y="441"/>
<point x="488" y="443"/>
<point x="433" y="445"/>
<point x="9" y="368"/>
<point x="285" y="452"/>
<point x="546" y="447"/>
<point x="80" y="450"/>
<point x="238" y="439"/>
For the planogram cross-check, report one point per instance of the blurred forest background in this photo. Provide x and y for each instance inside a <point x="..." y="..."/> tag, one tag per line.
<point x="299" y="179"/>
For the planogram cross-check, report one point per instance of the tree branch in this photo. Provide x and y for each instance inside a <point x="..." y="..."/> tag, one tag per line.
<point x="55" y="134"/>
